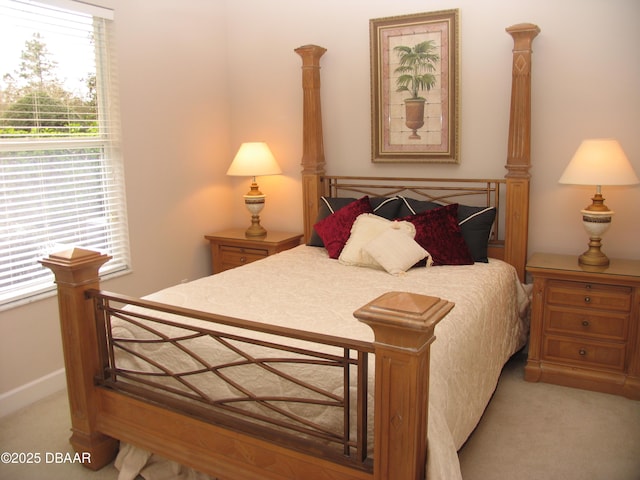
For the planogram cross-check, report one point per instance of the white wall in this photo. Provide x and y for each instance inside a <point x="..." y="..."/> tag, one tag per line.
<point x="198" y="77"/>
<point x="586" y="78"/>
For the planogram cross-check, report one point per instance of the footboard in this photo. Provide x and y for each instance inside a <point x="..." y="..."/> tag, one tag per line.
<point x="166" y="412"/>
<point x="300" y="390"/>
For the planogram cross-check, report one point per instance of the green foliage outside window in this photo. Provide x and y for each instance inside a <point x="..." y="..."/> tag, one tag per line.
<point x="35" y="103"/>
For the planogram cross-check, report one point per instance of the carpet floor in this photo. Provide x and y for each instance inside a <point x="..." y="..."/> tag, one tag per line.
<point x="530" y="431"/>
<point x="537" y="431"/>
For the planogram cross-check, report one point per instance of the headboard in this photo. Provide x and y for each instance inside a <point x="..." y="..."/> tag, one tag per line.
<point x="513" y="247"/>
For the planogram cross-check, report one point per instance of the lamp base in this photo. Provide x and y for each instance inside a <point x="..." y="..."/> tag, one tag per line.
<point x="254" y="201"/>
<point x="594" y="257"/>
<point x="255" y="230"/>
<point x="596" y="221"/>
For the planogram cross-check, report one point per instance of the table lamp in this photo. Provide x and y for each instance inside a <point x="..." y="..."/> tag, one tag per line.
<point x="598" y="162"/>
<point x="252" y="160"/>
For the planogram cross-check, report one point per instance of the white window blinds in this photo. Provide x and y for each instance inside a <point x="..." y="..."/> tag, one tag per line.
<point x="61" y="174"/>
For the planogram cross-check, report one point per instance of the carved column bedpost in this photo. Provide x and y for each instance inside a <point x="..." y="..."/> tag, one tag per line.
<point x="519" y="148"/>
<point x="403" y="324"/>
<point x="312" y="138"/>
<point x="76" y="271"/>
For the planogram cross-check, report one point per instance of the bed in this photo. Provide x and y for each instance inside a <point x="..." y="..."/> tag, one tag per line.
<point x="337" y="379"/>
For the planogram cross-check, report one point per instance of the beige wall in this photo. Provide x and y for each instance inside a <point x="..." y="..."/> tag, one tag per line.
<point x="198" y="77"/>
<point x="175" y="110"/>
<point x="585" y="84"/>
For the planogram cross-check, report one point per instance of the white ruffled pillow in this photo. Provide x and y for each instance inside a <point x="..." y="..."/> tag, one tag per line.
<point x="396" y="252"/>
<point x="380" y="243"/>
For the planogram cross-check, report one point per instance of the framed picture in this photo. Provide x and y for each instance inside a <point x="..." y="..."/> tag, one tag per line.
<point x="414" y="81"/>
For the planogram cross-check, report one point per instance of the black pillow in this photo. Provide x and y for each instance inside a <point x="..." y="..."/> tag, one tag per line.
<point x="411" y="206"/>
<point x="475" y="223"/>
<point x="386" y="207"/>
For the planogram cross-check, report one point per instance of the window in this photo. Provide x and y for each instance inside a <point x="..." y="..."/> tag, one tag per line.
<point x="61" y="174"/>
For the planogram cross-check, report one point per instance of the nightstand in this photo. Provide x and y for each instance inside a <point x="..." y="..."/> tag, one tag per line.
<point x="585" y="329"/>
<point x="231" y="248"/>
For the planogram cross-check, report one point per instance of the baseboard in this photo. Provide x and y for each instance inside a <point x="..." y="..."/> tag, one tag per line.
<point x="31" y="392"/>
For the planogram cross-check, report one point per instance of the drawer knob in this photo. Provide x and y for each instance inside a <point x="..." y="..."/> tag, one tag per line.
<point x="587" y="299"/>
<point x="585" y="323"/>
<point x="243" y="259"/>
<point x="582" y="352"/>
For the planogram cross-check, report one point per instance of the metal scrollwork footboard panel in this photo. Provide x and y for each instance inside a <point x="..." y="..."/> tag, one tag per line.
<point x="304" y="390"/>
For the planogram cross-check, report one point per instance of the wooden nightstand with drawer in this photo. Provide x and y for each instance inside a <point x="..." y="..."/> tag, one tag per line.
<point x="585" y="329"/>
<point x="231" y="248"/>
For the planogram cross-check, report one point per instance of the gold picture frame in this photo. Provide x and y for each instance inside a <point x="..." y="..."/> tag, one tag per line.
<point x="414" y="88"/>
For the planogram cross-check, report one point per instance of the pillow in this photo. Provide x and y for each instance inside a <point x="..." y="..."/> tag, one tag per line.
<point x="438" y="232"/>
<point x="396" y="251"/>
<point x="335" y="229"/>
<point x="411" y="206"/>
<point x="367" y="227"/>
<point x="328" y="205"/>
<point x="386" y="207"/>
<point x="476" y="224"/>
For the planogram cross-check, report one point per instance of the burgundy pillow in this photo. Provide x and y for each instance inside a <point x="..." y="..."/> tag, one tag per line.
<point x="335" y="229"/>
<point x="438" y="232"/>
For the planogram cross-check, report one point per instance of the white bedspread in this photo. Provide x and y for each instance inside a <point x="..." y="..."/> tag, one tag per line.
<point x="472" y="343"/>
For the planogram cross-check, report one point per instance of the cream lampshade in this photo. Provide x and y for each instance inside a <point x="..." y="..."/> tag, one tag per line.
<point x="598" y="162"/>
<point x="252" y="160"/>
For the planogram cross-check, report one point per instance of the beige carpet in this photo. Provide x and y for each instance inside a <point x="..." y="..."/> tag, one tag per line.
<point x="530" y="431"/>
<point x="536" y="431"/>
<point x="43" y="428"/>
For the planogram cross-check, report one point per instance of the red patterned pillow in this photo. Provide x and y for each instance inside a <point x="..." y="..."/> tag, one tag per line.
<point x="438" y="232"/>
<point x="335" y="229"/>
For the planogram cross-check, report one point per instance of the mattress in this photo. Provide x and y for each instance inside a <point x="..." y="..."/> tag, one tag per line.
<point x="303" y="289"/>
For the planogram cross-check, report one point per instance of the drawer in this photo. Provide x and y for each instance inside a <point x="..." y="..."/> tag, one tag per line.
<point x="589" y="295"/>
<point x="239" y="255"/>
<point x="584" y="353"/>
<point x="586" y="322"/>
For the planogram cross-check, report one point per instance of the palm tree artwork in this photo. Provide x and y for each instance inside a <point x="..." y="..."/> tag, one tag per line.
<point x="416" y="73"/>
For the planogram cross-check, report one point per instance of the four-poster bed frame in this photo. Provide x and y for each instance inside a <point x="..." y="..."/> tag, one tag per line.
<point x="403" y="325"/>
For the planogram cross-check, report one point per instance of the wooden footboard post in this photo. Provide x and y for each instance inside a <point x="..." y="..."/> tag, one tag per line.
<point x="519" y="148"/>
<point x="76" y="271"/>
<point x="403" y="324"/>
<point x="312" y="140"/>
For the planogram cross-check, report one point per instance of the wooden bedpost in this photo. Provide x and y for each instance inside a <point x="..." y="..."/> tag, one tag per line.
<point x="76" y="271"/>
<point x="403" y="324"/>
<point x="519" y="148"/>
<point x="312" y="143"/>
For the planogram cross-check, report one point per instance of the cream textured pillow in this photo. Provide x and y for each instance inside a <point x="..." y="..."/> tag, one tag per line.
<point x="366" y="228"/>
<point x="396" y="252"/>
